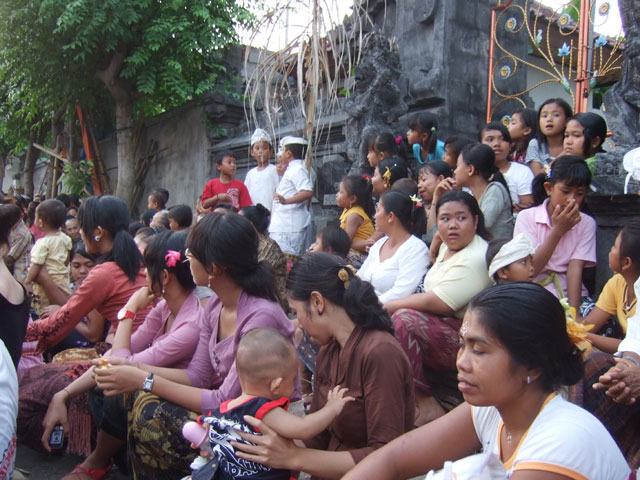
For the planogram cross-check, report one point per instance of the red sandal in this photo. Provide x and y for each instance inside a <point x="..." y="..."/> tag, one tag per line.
<point x="84" y="473"/>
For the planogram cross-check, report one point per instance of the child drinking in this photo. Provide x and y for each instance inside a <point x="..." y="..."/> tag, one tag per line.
<point x="518" y="176"/>
<point x="522" y="129"/>
<point x="50" y="251"/>
<point x="332" y="239"/>
<point x="354" y="196"/>
<point x="565" y="238"/>
<point x="422" y="137"/>
<point x="225" y="189"/>
<point x="583" y="137"/>
<point x="381" y="146"/>
<point x="262" y="181"/>
<point x="431" y="174"/>
<point x="266" y="362"/>
<point x="618" y="296"/>
<point x="290" y="217"/>
<point x="552" y="118"/>
<point x="511" y="260"/>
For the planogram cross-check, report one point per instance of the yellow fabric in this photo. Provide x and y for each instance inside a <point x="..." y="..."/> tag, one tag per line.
<point x="365" y="230"/>
<point x="612" y="300"/>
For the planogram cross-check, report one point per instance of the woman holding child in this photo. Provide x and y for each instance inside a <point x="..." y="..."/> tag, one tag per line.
<point x="341" y="313"/>
<point x="223" y="254"/>
<point x="427" y="323"/>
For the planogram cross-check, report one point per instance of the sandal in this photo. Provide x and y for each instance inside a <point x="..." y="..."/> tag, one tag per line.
<point x="83" y="473"/>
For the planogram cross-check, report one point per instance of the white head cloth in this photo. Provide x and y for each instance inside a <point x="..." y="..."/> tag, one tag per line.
<point x="260" y="135"/>
<point x="510" y="252"/>
<point x="284" y="141"/>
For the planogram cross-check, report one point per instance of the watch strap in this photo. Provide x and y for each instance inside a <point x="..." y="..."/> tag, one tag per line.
<point x="148" y="382"/>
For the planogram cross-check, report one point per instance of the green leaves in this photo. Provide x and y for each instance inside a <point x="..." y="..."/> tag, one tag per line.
<point x="51" y="50"/>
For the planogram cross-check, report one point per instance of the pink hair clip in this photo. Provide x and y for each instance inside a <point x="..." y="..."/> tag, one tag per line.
<point x="398" y="139"/>
<point x="172" y="258"/>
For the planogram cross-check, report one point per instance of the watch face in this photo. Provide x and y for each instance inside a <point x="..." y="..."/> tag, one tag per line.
<point x="121" y="313"/>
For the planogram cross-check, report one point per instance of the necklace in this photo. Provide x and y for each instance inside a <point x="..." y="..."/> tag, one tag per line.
<point x="509" y="437"/>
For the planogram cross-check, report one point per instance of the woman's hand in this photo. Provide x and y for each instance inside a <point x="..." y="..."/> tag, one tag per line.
<point x="140" y="300"/>
<point x="115" y="380"/>
<point x="268" y="449"/>
<point x="114" y="361"/>
<point x="621" y="382"/>
<point x="391" y="306"/>
<point x="56" y="415"/>
<point x="443" y="187"/>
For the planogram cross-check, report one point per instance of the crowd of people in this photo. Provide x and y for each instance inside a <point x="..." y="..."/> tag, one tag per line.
<point x="447" y="311"/>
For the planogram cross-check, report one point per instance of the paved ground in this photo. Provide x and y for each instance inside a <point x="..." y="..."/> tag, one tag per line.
<point x="42" y="466"/>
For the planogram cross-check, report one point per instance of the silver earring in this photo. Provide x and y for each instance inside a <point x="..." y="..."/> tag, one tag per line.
<point x="96" y="238"/>
<point x="528" y="379"/>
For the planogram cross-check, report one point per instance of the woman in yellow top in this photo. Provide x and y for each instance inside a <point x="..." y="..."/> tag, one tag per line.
<point x="354" y="196"/>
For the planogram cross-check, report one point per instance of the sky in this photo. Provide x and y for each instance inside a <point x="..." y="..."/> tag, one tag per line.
<point x="275" y="38"/>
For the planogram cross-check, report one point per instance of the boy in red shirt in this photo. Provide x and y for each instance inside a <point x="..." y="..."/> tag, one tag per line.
<point x="225" y="189"/>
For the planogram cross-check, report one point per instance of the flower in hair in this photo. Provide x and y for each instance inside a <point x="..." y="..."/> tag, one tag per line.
<point x="398" y="139"/>
<point x="417" y="200"/>
<point x="577" y="331"/>
<point x="367" y="178"/>
<point x="172" y="258"/>
<point x="387" y="174"/>
<point x="433" y="129"/>
<point x="343" y="275"/>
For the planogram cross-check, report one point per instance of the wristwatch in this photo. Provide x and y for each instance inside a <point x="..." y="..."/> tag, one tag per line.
<point x="125" y="313"/>
<point x="627" y="357"/>
<point x="148" y="382"/>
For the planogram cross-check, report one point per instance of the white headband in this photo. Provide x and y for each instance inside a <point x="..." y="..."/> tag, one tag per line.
<point x="260" y="135"/>
<point x="518" y="248"/>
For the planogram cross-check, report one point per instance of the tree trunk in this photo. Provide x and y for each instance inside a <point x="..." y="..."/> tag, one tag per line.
<point x="126" y="160"/>
<point x="29" y="165"/>
<point x="121" y="92"/>
<point x="3" y="165"/>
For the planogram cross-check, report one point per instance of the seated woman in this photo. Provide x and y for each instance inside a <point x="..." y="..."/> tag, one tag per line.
<point x="427" y="324"/>
<point x="91" y="329"/>
<point x="223" y="254"/>
<point x="509" y="372"/>
<point x="103" y="221"/>
<point x="341" y="312"/>
<point x="167" y="338"/>
<point x="397" y="262"/>
<point x="107" y="287"/>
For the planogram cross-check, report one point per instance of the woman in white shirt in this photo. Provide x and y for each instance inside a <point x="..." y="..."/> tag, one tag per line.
<point x="508" y="372"/>
<point x="398" y="261"/>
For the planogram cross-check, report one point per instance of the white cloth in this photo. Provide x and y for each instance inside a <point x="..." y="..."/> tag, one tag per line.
<point x="399" y="275"/>
<point x="260" y="135"/>
<point x="563" y="439"/>
<point x="519" y="247"/>
<point x="519" y="178"/>
<point x="631" y="342"/>
<point x="8" y="412"/>
<point x="262" y="184"/>
<point x="289" y="140"/>
<point x="293" y="217"/>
